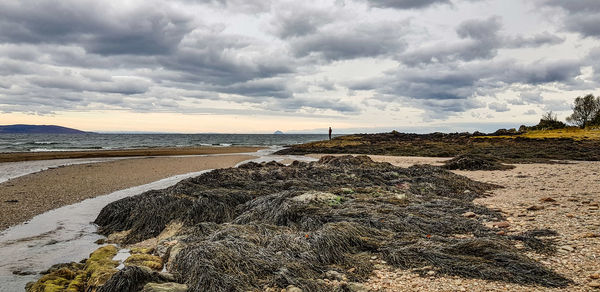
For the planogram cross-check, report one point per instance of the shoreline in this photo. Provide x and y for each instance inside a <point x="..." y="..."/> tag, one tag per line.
<point x="24" y="197"/>
<point x="168" y="151"/>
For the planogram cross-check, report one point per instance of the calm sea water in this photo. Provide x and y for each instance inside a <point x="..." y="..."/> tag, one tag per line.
<point x="67" y="142"/>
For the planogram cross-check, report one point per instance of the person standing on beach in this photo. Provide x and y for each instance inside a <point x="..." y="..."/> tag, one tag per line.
<point x="329" y="133"/>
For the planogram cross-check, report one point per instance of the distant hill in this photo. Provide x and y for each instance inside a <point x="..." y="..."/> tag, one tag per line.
<point x="278" y="132"/>
<point x="38" y="129"/>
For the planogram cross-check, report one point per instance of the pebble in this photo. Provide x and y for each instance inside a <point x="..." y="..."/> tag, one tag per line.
<point x="535" y="208"/>
<point x="502" y="224"/>
<point x="469" y="214"/>
<point x="594" y="284"/>
<point x="595" y="276"/>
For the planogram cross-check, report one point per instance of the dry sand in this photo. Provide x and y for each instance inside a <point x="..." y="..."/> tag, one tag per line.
<point x="24" y="197"/>
<point x="26" y="156"/>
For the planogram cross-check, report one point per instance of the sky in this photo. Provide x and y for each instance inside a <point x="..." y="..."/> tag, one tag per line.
<point x="245" y="66"/>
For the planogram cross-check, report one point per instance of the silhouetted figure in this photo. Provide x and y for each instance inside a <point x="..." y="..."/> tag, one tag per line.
<point x="329" y="133"/>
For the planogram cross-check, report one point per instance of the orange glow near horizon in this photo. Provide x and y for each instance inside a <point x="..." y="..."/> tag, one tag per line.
<point x="122" y="121"/>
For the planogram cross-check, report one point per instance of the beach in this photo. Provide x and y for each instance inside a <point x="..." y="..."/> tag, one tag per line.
<point x="23" y="197"/>
<point x="554" y="196"/>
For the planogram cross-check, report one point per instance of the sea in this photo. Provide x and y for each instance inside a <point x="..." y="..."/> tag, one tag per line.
<point x="89" y="142"/>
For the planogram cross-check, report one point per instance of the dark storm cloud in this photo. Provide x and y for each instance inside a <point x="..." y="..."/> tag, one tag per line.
<point x="146" y="30"/>
<point x="360" y="40"/>
<point x="581" y="16"/>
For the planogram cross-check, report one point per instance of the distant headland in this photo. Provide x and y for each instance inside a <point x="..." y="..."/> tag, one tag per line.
<point x="39" y="129"/>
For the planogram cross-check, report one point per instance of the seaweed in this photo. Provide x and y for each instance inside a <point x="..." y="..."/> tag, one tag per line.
<point x="268" y="225"/>
<point x="475" y="162"/>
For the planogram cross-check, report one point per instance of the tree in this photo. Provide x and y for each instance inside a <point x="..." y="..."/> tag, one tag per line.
<point x="585" y="110"/>
<point x="549" y="121"/>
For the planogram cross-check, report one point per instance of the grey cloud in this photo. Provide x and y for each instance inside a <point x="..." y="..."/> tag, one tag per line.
<point x="581" y="16"/>
<point x="498" y="107"/>
<point x="405" y="4"/>
<point x="535" y="41"/>
<point x="295" y="21"/>
<point x="276" y="88"/>
<point x="120" y="85"/>
<point x="362" y="40"/>
<point x="481" y="40"/>
<point x="528" y="97"/>
<point x="440" y="84"/>
<point x="541" y="72"/>
<point x="247" y="6"/>
<point x="530" y="112"/>
<point x="149" y="29"/>
<point x="316" y="104"/>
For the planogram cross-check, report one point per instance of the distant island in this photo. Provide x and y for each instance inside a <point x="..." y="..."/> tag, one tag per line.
<point x="278" y="132"/>
<point x="38" y="129"/>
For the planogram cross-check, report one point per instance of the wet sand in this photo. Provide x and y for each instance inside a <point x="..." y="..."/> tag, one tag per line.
<point x="27" y="156"/>
<point x="24" y="197"/>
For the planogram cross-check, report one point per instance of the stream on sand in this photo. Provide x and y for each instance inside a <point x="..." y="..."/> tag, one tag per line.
<point x="67" y="234"/>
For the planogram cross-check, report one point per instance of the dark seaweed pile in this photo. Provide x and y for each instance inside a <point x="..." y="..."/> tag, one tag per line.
<point x="513" y="150"/>
<point x="475" y="162"/>
<point x="270" y="225"/>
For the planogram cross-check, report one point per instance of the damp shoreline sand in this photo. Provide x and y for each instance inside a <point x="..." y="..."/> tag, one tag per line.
<point x="23" y="197"/>
<point x="170" y="151"/>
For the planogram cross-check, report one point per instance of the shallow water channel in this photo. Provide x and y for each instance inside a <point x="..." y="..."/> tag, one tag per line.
<point x="67" y="234"/>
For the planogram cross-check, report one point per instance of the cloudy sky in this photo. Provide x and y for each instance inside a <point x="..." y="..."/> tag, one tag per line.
<point x="258" y="66"/>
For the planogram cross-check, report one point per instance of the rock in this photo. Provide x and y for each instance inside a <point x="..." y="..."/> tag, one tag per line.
<point x="469" y="214"/>
<point x="357" y="287"/>
<point x="11" y="201"/>
<point x="535" y="208"/>
<point x="165" y="287"/>
<point x="500" y="233"/>
<point x="566" y="248"/>
<point x="570" y="215"/>
<point x="430" y="273"/>
<point x="594" y="284"/>
<point x="100" y="241"/>
<point x="587" y="235"/>
<point x="595" y="276"/>
<point x="335" y="275"/>
<point x="23" y="273"/>
<point x="547" y="199"/>
<point x="292" y="288"/>
<point x="502" y="224"/>
<point x="347" y="190"/>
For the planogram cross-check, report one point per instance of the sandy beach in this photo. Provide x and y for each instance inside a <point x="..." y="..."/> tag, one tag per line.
<point x="24" y="197"/>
